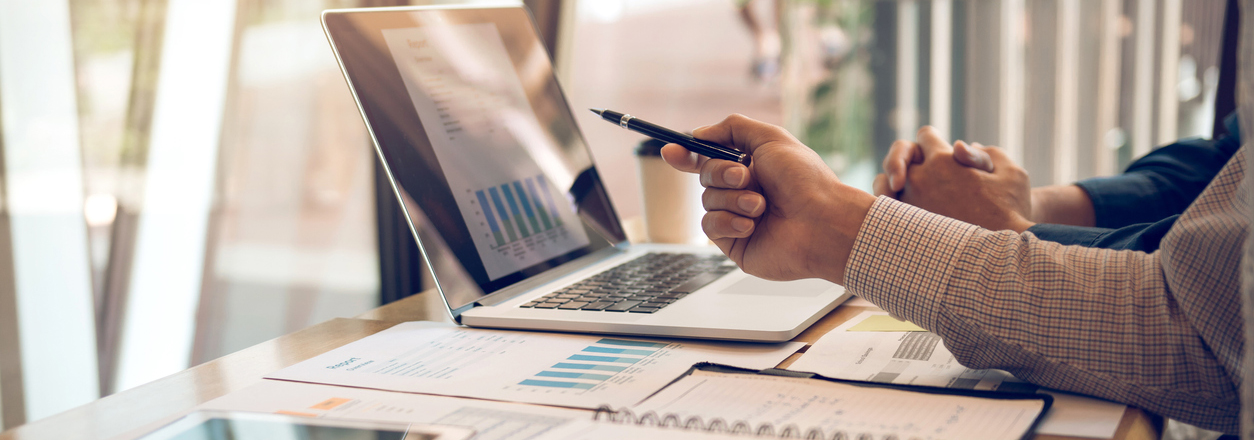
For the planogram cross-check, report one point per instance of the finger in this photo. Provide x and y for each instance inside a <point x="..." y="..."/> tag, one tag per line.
<point x="900" y="156"/>
<point x="741" y="202"/>
<point x="723" y="224"/>
<point x="743" y="133"/>
<point x="880" y="186"/>
<point x="718" y="173"/>
<point x="996" y="156"/>
<point x="681" y="159"/>
<point x="970" y="156"/>
<point x="931" y="142"/>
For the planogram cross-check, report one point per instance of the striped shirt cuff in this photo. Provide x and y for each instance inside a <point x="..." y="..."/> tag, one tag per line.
<point x="903" y="258"/>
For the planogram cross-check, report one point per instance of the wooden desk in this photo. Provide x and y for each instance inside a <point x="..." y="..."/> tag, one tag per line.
<point x="145" y="407"/>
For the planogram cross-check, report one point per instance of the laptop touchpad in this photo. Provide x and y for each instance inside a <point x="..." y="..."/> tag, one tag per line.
<point x="758" y="286"/>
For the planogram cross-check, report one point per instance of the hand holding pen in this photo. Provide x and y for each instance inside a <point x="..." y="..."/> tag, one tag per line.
<point x="704" y="148"/>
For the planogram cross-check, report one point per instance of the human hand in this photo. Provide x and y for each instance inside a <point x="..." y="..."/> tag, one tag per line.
<point x="1057" y="204"/>
<point x="904" y="153"/>
<point x="786" y="216"/>
<point x="998" y="200"/>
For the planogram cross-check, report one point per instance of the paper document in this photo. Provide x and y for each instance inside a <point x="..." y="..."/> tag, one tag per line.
<point x="841" y="408"/>
<point x="490" y="420"/>
<point x="908" y="358"/>
<point x="588" y="430"/>
<point x="919" y="358"/>
<point x="581" y="371"/>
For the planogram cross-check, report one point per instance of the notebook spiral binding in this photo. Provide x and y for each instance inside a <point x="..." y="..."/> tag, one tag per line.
<point x="717" y="425"/>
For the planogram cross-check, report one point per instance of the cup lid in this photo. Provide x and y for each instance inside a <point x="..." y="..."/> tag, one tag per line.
<point x="650" y="147"/>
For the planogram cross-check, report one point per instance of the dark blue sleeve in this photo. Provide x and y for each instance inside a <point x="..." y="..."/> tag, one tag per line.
<point x="1162" y="183"/>
<point x="1143" y="237"/>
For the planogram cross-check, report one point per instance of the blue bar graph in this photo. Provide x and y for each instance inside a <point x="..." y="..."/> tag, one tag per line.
<point x="611" y="341"/>
<point x="523" y="200"/>
<point x="556" y="384"/>
<point x="487" y="213"/>
<point x="513" y="209"/>
<point x="584" y="357"/>
<point x="567" y="375"/>
<point x="500" y="209"/>
<point x="548" y="197"/>
<point x="593" y="367"/>
<point x="594" y="364"/>
<point x="535" y="198"/>
<point x="619" y="351"/>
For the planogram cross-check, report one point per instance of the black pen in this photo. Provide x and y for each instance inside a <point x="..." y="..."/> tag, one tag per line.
<point x="704" y="148"/>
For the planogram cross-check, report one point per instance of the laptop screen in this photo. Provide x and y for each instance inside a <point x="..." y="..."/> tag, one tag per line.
<point x="476" y="133"/>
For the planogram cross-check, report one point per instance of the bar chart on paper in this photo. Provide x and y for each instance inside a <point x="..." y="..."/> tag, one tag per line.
<point x="594" y="365"/>
<point x="578" y="371"/>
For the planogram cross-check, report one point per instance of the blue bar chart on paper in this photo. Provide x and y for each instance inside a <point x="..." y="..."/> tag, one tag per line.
<point x="593" y="365"/>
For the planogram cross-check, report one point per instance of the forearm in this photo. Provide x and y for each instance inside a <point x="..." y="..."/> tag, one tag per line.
<point x="1062" y="205"/>
<point x="1159" y="185"/>
<point x="1094" y="321"/>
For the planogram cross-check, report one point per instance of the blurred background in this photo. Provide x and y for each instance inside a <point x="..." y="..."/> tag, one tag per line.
<point x="182" y="179"/>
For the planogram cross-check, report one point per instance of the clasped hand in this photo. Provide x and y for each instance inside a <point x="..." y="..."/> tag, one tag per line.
<point x="969" y="182"/>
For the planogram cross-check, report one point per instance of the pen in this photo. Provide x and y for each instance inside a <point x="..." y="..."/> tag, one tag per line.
<point x="704" y="148"/>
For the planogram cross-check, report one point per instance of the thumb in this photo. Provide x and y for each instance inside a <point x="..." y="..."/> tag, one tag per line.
<point x="880" y="186"/>
<point x="997" y="156"/>
<point x="973" y="157"/>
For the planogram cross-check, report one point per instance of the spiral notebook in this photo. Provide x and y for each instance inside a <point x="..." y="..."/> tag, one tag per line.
<point x="785" y="404"/>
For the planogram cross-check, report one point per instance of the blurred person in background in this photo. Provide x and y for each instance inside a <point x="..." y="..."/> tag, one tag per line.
<point x="764" y="28"/>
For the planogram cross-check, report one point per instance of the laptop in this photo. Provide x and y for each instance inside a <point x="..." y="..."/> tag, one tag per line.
<point x="482" y="148"/>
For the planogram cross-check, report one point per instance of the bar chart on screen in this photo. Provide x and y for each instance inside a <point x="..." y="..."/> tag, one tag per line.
<point x="482" y="129"/>
<point x="519" y="210"/>
<point x="519" y="223"/>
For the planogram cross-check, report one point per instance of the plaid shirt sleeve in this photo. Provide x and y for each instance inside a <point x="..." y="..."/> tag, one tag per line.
<point x="1160" y="331"/>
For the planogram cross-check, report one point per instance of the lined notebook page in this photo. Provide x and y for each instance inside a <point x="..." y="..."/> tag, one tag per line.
<point x="833" y="407"/>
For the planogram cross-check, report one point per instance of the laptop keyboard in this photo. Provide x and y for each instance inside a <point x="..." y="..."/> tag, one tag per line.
<point x="643" y="285"/>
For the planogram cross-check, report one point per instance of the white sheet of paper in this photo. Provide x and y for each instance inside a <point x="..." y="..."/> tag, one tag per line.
<point x="908" y="358"/>
<point x="841" y="408"/>
<point x="580" y="371"/>
<point x="918" y="358"/>
<point x="491" y="420"/>
<point x="587" y="430"/>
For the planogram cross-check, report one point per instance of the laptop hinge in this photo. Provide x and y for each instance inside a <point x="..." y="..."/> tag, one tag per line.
<point x="457" y="313"/>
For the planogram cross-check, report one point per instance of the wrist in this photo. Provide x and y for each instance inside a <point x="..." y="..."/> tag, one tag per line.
<point x="1039" y="204"/>
<point x="1022" y="225"/>
<point x="845" y="209"/>
<point x="1062" y="204"/>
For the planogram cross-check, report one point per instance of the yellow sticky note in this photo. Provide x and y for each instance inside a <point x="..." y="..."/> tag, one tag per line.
<point x="885" y="323"/>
